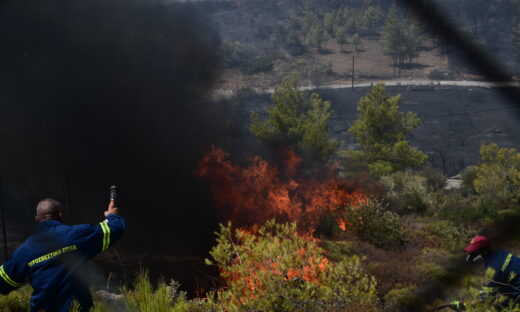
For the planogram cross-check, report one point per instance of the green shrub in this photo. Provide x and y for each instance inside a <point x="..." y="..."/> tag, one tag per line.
<point x="468" y="176"/>
<point x="371" y="221"/>
<point x="337" y="250"/>
<point x="276" y="269"/>
<point x="258" y="65"/>
<point x="407" y="192"/>
<point x="433" y="271"/>
<point x="446" y="235"/>
<point x="435" y="180"/>
<point x="401" y="298"/>
<point x="457" y="207"/>
<point x="143" y="297"/>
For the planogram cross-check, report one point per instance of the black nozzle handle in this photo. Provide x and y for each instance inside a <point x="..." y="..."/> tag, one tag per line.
<point x="113" y="193"/>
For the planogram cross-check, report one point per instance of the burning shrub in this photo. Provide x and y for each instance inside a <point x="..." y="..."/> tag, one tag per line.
<point x="371" y="221"/>
<point x="276" y="269"/>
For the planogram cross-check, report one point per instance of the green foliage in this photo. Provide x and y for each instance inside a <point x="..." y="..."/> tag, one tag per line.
<point x="258" y="64"/>
<point x="473" y="299"/>
<point x="328" y="21"/>
<point x="435" y="179"/>
<point x="356" y="41"/>
<point x="371" y="221"/>
<point x="144" y="297"/>
<point x="297" y="119"/>
<point x="16" y="301"/>
<point x="337" y="250"/>
<point x="381" y="131"/>
<point x="316" y="36"/>
<point x="372" y="18"/>
<point x="468" y="176"/>
<point x="341" y="36"/>
<point x="407" y="192"/>
<point x="497" y="179"/>
<point x="401" y="39"/>
<point x="454" y="205"/>
<point x="446" y="235"/>
<point x="401" y="298"/>
<point x="276" y="269"/>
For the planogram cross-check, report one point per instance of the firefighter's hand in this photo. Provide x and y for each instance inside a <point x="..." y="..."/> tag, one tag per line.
<point x="112" y="209"/>
<point x="457" y="306"/>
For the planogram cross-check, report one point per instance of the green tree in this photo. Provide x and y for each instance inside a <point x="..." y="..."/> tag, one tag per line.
<point x="372" y="19"/>
<point x="356" y="41"/>
<point x="297" y="119"/>
<point x="497" y="178"/>
<point x="316" y="36"/>
<point x="401" y="39"/>
<point x="328" y="21"/>
<point x="381" y="131"/>
<point x="341" y="37"/>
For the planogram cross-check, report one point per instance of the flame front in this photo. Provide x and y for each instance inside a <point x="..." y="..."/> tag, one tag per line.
<point x="260" y="191"/>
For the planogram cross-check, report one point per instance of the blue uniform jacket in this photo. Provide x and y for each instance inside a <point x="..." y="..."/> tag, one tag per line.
<point x="54" y="259"/>
<point x="506" y="280"/>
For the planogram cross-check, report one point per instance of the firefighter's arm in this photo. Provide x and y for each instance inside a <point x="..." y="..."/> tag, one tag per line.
<point x="12" y="273"/>
<point x="113" y="227"/>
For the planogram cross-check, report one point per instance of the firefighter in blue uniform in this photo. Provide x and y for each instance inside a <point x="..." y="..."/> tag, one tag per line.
<point x="54" y="258"/>
<point x="506" y="280"/>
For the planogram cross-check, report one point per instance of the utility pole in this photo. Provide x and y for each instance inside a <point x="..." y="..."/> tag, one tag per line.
<point x="353" y="56"/>
<point x="2" y="213"/>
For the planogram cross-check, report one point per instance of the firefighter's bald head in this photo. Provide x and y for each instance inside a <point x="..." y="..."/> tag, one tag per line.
<point x="48" y="209"/>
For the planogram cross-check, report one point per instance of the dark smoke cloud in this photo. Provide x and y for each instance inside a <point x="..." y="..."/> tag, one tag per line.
<point x="112" y="92"/>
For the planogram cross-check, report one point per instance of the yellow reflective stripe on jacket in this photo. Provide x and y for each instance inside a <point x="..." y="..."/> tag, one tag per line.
<point x="506" y="263"/>
<point x="106" y="235"/>
<point x="7" y="279"/>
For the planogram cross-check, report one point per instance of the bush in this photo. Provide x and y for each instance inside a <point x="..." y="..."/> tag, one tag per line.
<point x="257" y="65"/>
<point x="164" y="298"/>
<point x="276" y="269"/>
<point x="446" y="235"/>
<point x="398" y="299"/>
<point x="407" y="192"/>
<point x="371" y="221"/>
<point x="454" y="205"/>
<point x="435" y="180"/>
<point x="468" y="176"/>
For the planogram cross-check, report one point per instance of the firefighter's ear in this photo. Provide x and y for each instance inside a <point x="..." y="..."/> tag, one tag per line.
<point x="37" y="219"/>
<point x="60" y="216"/>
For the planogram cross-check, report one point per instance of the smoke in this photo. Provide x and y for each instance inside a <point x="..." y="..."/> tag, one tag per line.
<point x="104" y="92"/>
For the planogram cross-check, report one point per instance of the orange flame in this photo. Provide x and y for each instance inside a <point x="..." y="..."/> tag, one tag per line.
<point x="257" y="193"/>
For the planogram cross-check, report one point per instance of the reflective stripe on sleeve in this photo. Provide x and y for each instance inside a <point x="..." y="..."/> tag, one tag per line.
<point x="506" y="263"/>
<point x="7" y="279"/>
<point x="106" y="235"/>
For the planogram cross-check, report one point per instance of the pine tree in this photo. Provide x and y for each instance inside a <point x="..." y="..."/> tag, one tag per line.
<point x="356" y="41"/>
<point x="401" y="39"/>
<point x="381" y="131"/>
<point x="341" y="37"/>
<point x="298" y="119"/>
